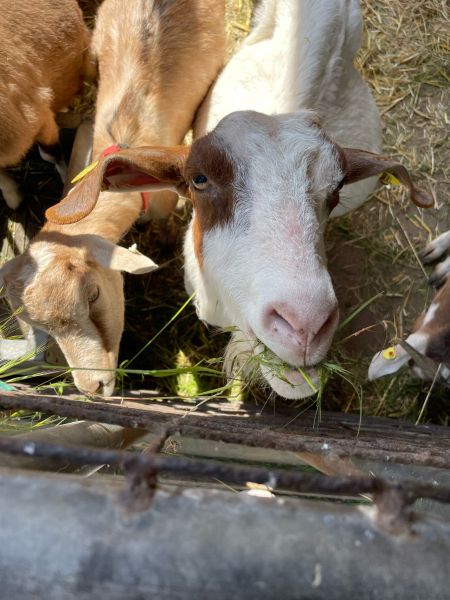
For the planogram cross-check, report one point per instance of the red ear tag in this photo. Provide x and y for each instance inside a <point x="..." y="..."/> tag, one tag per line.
<point x="110" y="150"/>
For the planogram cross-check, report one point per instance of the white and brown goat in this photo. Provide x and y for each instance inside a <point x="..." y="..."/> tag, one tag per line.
<point x="44" y="55"/>
<point x="430" y="337"/>
<point x="260" y="265"/>
<point x="156" y="62"/>
<point x="263" y="186"/>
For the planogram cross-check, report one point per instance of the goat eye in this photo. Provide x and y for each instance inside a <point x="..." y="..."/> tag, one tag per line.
<point x="200" y="182"/>
<point x="340" y="186"/>
<point x="93" y="295"/>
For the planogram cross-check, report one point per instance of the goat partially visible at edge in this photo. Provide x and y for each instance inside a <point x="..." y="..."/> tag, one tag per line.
<point x="44" y="56"/>
<point x="430" y="335"/>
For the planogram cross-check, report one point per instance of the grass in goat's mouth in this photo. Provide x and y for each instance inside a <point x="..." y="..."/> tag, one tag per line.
<point x="278" y="367"/>
<point x="325" y="369"/>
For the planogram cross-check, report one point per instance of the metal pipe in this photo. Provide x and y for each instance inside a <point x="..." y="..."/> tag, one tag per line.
<point x="263" y="434"/>
<point x="65" y="538"/>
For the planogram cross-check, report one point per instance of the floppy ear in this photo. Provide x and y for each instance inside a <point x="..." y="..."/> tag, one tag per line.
<point x="387" y="362"/>
<point x="115" y="257"/>
<point x="131" y="169"/>
<point x="360" y="164"/>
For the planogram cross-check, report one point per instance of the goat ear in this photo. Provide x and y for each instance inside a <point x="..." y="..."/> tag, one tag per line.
<point x="115" y="257"/>
<point x="387" y="362"/>
<point x="360" y="164"/>
<point x="130" y="169"/>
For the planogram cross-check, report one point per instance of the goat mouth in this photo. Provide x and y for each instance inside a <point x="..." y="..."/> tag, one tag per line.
<point x="287" y="380"/>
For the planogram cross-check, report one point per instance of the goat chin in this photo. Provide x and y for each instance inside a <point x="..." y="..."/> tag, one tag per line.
<point x="242" y="360"/>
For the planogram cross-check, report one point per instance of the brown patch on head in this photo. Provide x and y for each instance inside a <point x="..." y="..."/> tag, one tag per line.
<point x="214" y="205"/>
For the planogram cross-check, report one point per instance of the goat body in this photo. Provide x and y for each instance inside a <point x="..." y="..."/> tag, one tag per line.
<point x="299" y="56"/>
<point x="44" y="56"/>
<point x="156" y="61"/>
<point x="156" y="65"/>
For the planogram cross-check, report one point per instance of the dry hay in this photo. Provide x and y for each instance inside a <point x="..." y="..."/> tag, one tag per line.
<point x="404" y="59"/>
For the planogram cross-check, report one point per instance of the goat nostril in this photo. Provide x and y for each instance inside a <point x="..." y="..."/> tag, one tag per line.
<point x="328" y="323"/>
<point x="301" y="330"/>
<point x="283" y="325"/>
<point x="95" y="390"/>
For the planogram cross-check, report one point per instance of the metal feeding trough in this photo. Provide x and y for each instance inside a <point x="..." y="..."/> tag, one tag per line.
<point x="38" y="348"/>
<point x="172" y="519"/>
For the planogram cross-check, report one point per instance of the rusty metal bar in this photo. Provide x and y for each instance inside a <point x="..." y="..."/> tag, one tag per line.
<point x="305" y="483"/>
<point x="237" y="430"/>
<point x="79" y="433"/>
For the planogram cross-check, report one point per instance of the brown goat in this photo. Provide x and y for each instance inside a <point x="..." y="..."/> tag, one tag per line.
<point x="156" y="62"/>
<point x="44" y="56"/>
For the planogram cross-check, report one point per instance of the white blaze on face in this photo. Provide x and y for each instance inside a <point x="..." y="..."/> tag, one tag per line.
<point x="263" y="266"/>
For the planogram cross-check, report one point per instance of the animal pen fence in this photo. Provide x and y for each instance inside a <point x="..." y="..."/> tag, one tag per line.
<point x="168" y="519"/>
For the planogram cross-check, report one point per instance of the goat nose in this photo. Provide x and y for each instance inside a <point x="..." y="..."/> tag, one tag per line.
<point x="92" y="388"/>
<point x="294" y="329"/>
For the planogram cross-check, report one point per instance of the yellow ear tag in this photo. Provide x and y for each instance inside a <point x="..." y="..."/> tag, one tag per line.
<point x="84" y="172"/>
<point x="389" y="353"/>
<point x="388" y="178"/>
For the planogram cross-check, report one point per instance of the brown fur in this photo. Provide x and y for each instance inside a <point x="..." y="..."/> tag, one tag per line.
<point x="360" y="164"/>
<point x="110" y="215"/>
<point x="156" y="64"/>
<point x="178" y="165"/>
<point x="44" y="54"/>
<point x="215" y="205"/>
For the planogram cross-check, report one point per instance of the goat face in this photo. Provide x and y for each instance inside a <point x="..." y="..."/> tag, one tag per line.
<point x="267" y="185"/>
<point x="262" y="188"/>
<point x="71" y="287"/>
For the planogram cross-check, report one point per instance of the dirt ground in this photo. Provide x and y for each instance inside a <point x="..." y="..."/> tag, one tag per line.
<point x="405" y="61"/>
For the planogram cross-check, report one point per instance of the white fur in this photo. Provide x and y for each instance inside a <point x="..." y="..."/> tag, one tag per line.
<point x="429" y="315"/>
<point x="299" y="56"/>
<point x="437" y="247"/>
<point x="442" y="270"/>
